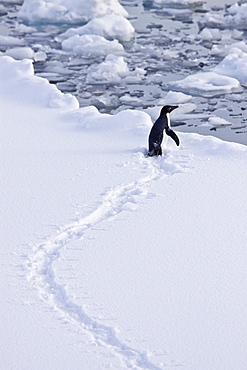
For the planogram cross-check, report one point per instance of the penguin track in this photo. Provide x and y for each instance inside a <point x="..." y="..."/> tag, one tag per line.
<point x="41" y="275"/>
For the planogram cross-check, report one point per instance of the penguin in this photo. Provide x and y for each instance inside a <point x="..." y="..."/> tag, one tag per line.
<point x="156" y="133"/>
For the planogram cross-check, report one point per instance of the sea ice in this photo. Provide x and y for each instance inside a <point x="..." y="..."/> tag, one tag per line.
<point x="110" y="26"/>
<point x="177" y="3"/>
<point x="210" y="34"/>
<point x="113" y="70"/>
<point x="67" y="11"/>
<point x="235" y="17"/>
<point x="206" y="84"/>
<point x="3" y="10"/>
<point x="174" y="97"/>
<point x="223" y="50"/>
<point x="234" y="65"/>
<point x="91" y="45"/>
<point x="20" y="53"/>
<point x="11" y="41"/>
<point x="218" y="122"/>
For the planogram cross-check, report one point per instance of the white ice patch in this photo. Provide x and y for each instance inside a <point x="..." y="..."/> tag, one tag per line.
<point x="91" y="45"/>
<point x="114" y="70"/>
<point x="210" y="34"/>
<point x="177" y="3"/>
<point x="67" y="11"/>
<point x="110" y="26"/>
<point x="224" y="50"/>
<point x="234" y="65"/>
<point x="20" y="53"/>
<point x="174" y="97"/>
<point x="206" y="84"/>
<point x="11" y="41"/>
<point x="218" y="122"/>
<point x="3" y="10"/>
<point x="235" y="17"/>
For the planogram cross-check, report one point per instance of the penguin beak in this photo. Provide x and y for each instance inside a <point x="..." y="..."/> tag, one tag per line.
<point x="172" y="107"/>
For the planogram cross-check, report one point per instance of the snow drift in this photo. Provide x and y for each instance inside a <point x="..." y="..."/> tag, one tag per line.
<point x="114" y="259"/>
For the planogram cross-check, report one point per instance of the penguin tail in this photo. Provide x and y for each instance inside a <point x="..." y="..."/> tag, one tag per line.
<point x="172" y="134"/>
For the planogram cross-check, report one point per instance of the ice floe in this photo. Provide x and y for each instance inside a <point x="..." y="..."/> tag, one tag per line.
<point x="218" y="122"/>
<point x="66" y="11"/>
<point x="235" y="17"/>
<point x="209" y="34"/>
<point x="225" y="49"/>
<point x="113" y="70"/>
<point x="20" y="53"/>
<point x="176" y="3"/>
<point x="174" y="97"/>
<point x="206" y="84"/>
<point x="91" y="45"/>
<point x="11" y="41"/>
<point x="110" y="26"/>
<point x="234" y="65"/>
<point x="3" y="10"/>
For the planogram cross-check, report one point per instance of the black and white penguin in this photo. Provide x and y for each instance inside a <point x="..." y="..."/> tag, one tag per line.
<point x="157" y="131"/>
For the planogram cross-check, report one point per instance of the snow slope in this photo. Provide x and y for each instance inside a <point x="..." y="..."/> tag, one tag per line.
<point x="110" y="259"/>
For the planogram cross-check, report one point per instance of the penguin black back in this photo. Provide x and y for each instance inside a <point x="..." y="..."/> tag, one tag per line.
<point x="157" y="131"/>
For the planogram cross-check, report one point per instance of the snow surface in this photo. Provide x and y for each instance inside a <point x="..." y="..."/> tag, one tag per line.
<point x="110" y="259"/>
<point x="67" y="11"/>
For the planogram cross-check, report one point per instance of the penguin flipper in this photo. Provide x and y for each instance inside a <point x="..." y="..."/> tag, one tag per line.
<point x="172" y="134"/>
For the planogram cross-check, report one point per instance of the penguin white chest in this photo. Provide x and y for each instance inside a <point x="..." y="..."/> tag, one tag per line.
<point x="168" y="119"/>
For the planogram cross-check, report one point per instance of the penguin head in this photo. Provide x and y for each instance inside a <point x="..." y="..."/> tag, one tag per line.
<point x="167" y="109"/>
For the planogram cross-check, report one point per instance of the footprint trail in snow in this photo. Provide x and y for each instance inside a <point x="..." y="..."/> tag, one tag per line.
<point x="42" y="277"/>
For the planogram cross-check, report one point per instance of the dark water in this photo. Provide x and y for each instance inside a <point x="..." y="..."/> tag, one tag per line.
<point x="158" y="32"/>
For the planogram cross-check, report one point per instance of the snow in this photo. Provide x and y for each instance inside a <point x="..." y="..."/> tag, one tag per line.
<point x="91" y="45"/>
<point x="109" y="26"/>
<point x="110" y="259"/>
<point x="67" y="11"/>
